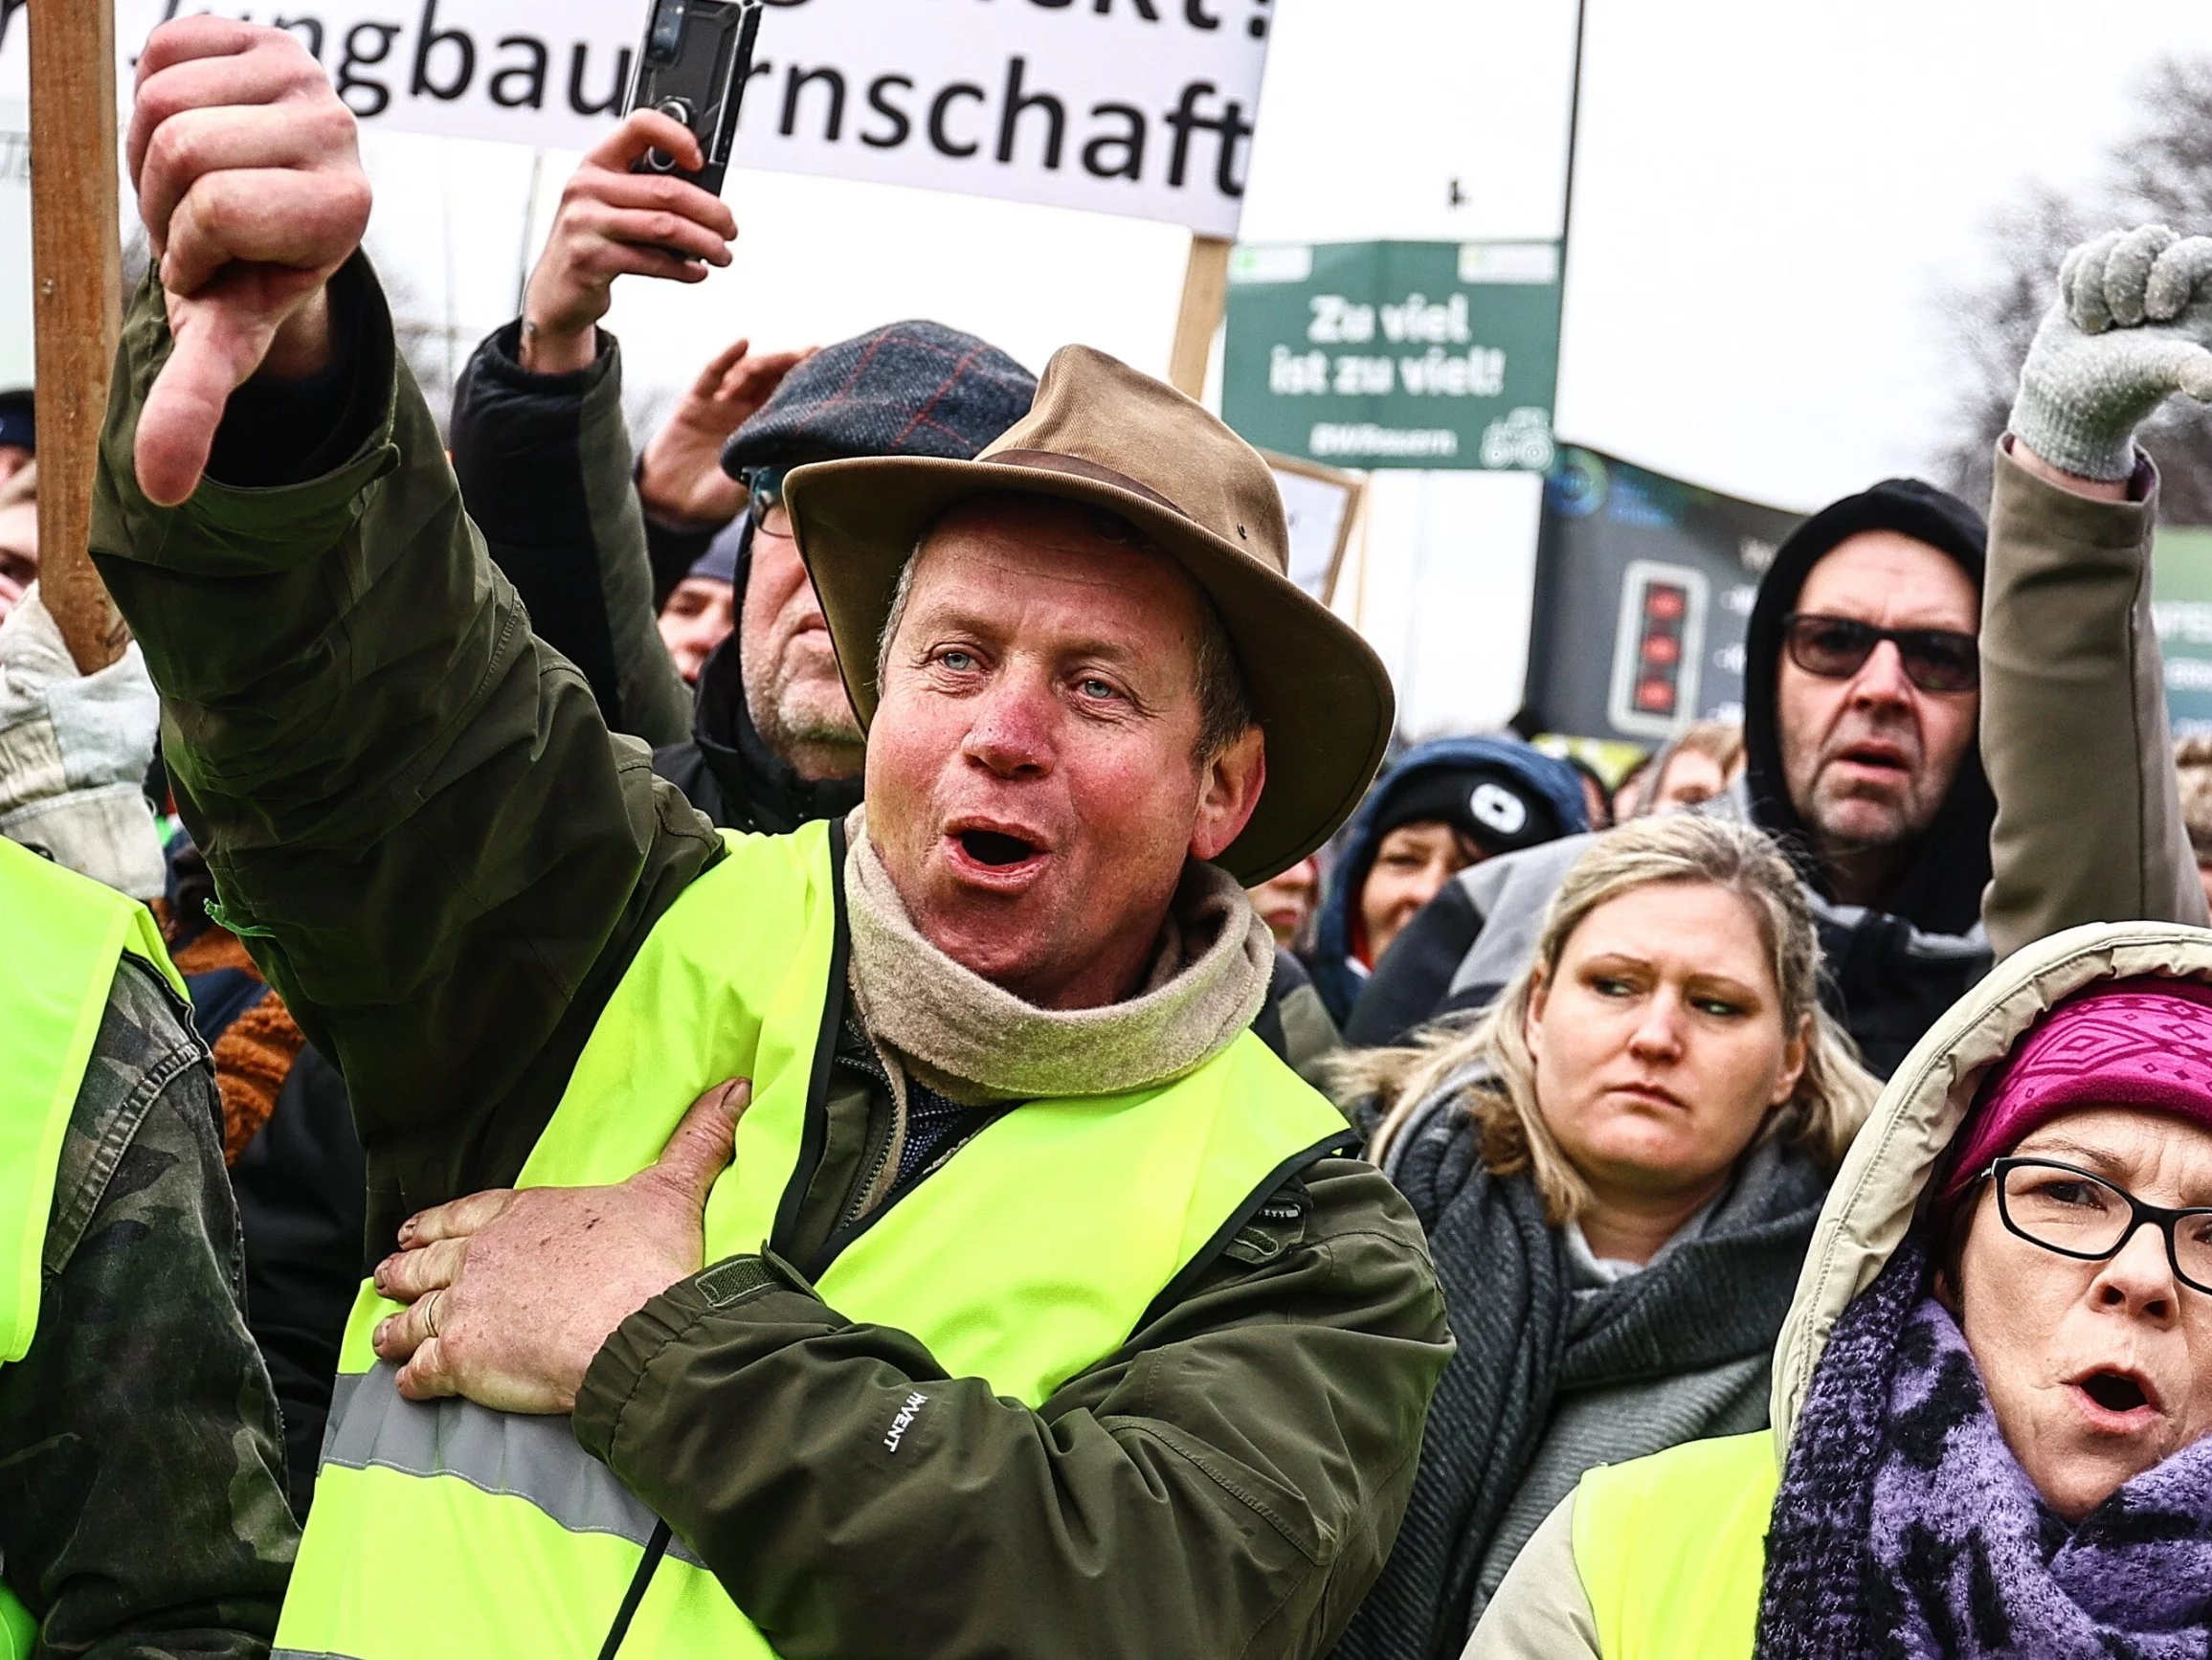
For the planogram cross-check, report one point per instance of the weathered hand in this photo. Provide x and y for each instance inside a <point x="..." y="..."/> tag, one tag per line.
<point x="612" y="222"/>
<point x="511" y="1294"/>
<point x="252" y="193"/>
<point x="2131" y="328"/>
<point x="681" y="480"/>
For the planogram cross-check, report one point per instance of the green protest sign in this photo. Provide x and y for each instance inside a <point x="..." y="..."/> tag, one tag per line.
<point x="2182" y="607"/>
<point x="1395" y="354"/>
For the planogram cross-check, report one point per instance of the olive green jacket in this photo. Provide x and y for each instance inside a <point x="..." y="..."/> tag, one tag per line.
<point x="419" y="821"/>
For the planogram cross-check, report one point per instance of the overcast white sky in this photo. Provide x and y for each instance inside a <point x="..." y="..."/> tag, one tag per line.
<point x="1770" y="199"/>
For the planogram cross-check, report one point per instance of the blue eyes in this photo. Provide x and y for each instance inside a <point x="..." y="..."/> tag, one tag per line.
<point x="956" y="661"/>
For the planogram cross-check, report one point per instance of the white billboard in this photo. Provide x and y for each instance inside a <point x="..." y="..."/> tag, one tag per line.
<point x="1141" y="108"/>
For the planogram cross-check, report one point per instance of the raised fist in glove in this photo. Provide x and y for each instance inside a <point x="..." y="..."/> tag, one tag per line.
<point x="2130" y="328"/>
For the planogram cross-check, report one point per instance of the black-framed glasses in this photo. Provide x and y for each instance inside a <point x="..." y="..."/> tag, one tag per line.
<point x="1936" y="659"/>
<point x="765" y="501"/>
<point x="2074" y="1213"/>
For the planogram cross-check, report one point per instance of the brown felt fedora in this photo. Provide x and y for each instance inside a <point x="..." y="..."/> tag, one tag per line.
<point x="1103" y="435"/>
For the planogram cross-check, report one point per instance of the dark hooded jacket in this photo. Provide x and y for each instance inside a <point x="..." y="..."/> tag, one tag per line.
<point x="1546" y="792"/>
<point x="1941" y="889"/>
<point x="1894" y="971"/>
<point x="1890" y="973"/>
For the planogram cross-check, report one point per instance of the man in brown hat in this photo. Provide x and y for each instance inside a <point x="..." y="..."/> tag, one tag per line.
<point x="1038" y="1311"/>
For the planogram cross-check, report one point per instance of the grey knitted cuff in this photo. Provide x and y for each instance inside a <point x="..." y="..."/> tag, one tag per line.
<point x="2056" y="429"/>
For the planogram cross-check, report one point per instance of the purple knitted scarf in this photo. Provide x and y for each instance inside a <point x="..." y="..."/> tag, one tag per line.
<point x="1905" y="1528"/>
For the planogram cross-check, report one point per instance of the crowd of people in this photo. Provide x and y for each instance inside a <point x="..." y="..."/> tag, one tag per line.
<point x="848" y="1034"/>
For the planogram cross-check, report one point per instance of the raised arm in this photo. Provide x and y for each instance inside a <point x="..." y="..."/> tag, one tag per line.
<point x="542" y="453"/>
<point x="412" y="811"/>
<point x="2073" y="717"/>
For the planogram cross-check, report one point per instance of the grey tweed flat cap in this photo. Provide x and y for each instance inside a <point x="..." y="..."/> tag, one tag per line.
<point x="912" y="389"/>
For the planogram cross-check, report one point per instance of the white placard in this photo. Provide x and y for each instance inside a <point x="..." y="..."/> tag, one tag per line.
<point x="1142" y="108"/>
<point x="1322" y="504"/>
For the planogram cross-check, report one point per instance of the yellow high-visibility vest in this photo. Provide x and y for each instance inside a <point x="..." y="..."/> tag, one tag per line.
<point x="64" y="934"/>
<point x="1672" y="1549"/>
<point x="1029" y="1256"/>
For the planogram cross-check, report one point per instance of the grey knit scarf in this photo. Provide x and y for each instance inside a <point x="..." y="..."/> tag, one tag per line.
<point x="975" y="1043"/>
<point x="1524" y="1340"/>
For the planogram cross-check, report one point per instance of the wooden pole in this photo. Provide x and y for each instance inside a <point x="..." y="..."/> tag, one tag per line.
<point x="76" y="282"/>
<point x="1205" y="302"/>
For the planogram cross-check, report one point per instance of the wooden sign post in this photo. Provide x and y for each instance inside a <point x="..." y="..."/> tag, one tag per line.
<point x="76" y="283"/>
<point x="1205" y="302"/>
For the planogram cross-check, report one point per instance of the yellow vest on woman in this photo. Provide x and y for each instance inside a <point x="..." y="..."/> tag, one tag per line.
<point x="1672" y="1549"/>
<point x="61" y="936"/>
<point x="449" y="1532"/>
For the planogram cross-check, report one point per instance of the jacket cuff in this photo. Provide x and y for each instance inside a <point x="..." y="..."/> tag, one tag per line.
<point x="741" y="1308"/>
<point x="227" y="531"/>
<point x="499" y="359"/>
<point x="2079" y="521"/>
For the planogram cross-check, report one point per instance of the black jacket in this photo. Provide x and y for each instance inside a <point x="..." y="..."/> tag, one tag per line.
<point x="302" y="1188"/>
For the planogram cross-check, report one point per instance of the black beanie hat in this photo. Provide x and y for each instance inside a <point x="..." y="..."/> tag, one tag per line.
<point x="1491" y="808"/>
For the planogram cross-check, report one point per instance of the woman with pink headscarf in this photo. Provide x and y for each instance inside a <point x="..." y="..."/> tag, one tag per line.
<point x="1993" y="1398"/>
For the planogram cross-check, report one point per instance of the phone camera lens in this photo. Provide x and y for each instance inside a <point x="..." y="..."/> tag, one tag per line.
<point x="667" y="33"/>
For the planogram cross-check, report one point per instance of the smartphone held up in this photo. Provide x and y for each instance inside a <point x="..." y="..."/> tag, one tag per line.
<point x="693" y="67"/>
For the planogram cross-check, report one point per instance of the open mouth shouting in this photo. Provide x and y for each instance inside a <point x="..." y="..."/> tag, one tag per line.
<point x="995" y="855"/>
<point x="2116" y="1399"/>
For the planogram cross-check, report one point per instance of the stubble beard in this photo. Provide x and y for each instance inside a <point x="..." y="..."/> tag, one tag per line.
<point x="806" y="719"/>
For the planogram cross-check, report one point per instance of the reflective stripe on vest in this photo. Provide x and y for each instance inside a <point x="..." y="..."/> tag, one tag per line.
<point x="64" y="934"/>
<point x="1671" y="1549"/>
<point x="1028" y="1257"/>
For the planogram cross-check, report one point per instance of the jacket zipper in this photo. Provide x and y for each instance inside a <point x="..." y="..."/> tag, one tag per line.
<point x="871" y="1067"/>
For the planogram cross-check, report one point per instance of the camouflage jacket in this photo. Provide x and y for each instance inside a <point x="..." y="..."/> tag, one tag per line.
<point x="142" y="1467"/>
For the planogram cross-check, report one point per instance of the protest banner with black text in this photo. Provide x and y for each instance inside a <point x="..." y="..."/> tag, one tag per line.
<point x="1139" y="107"/>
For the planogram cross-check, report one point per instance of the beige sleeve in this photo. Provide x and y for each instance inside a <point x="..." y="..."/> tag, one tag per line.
<point x="1540" y="1611"/>
<point x="2073" y="720"/>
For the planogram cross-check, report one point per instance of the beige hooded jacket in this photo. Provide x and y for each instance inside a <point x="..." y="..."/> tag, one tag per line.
<point x="1540" y="1610"/>
<point x="2071" y="677"/>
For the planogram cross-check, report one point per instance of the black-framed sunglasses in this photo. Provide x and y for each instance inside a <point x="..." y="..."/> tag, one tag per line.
<point x="1936" y="659"/>
<point x="2074" y="1213"/>
<point x="764" y="486"/>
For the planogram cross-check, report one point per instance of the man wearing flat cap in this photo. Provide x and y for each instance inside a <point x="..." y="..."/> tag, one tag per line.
<point x="1036" y="1310"/>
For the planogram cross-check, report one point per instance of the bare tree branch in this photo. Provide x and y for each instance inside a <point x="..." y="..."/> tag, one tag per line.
<point x="2161" y="173"/>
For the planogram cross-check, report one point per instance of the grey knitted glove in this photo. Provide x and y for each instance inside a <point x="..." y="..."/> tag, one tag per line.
<point x="2130" y="326"/>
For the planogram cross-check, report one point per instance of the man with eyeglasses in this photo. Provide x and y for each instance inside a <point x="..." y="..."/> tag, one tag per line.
<point x="1957" y="731"/>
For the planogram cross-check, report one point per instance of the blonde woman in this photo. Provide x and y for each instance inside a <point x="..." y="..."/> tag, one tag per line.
<point x="1618" y="1167"/>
